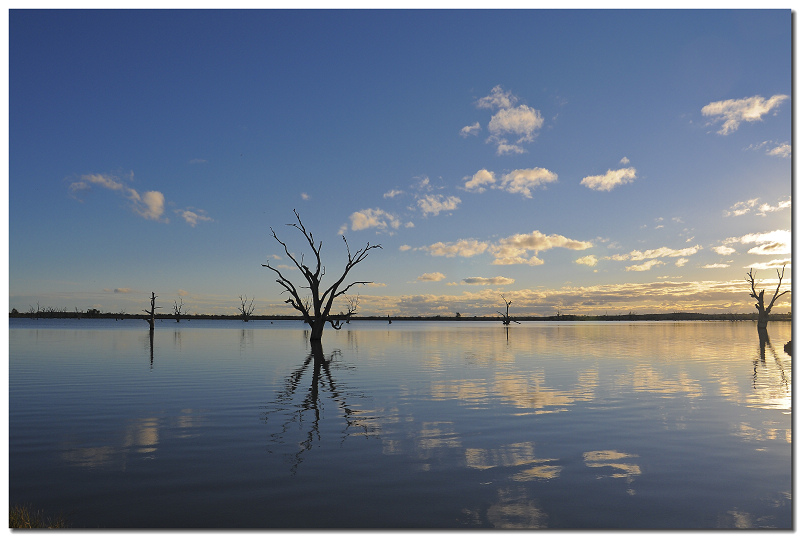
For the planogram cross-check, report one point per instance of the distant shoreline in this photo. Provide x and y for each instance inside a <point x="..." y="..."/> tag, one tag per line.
<point x="677" y="316"/>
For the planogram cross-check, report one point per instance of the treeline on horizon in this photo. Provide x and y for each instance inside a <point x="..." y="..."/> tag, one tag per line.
<point x="53" y="313"/>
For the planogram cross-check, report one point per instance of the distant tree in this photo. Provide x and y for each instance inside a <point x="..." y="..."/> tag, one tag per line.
<point x="246" y="310"/>
<point x="316" y="310"/>
<point x="506" y="318"/>
<point x="152" y="312"/>
<point x="763" y="311"/>
<point x="177" y="310"/>
<point x="14" y="312"/>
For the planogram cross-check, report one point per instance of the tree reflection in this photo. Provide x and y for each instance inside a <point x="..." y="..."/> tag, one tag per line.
<point x="303" y="414"/>
<point x="764" y="345"/>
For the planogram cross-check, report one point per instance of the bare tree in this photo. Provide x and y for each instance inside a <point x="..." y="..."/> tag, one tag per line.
<point x="763" y="311"/>
<point x="177" y="310"/>
<point x="246" y="309"/>
<point x="152" y="312"/>
<point x="506" y="319"/>
<point x="316" y="311"/>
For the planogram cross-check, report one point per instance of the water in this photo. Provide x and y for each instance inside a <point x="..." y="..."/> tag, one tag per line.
<point x="222" y="424"/>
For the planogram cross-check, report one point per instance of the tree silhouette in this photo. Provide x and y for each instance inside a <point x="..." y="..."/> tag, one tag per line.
<point x="763" y="311"/>
<point x="177" y="310"/>
<point x="316" y="310"/>
<point x="246" y="309"/>
<point x="152" y="311"/>
<point x="506" y="319"/>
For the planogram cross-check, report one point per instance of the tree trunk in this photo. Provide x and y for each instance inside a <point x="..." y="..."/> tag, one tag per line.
<point x="763" y="319"/>
<point x="316" y="329"/>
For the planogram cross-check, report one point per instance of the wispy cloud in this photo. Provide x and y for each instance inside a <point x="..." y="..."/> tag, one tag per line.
<point x="373" y="218"/>
<point x="519" y="123"/>
<point x="496" y="280"/>
<point x="436" y="203"/>
<point x="733" y="112"/>
<point x="192" y="216"/>
<point x="744" y="207"/>
<point x="773" y="149"/>
<point x="724" y="250"/>
<point x="150" y="205"/>
<point x="644" y="266"/>
<point x="610" y="180"/>
<point x="638" y="255"/>
<point x="777" y="242"/>
<point x="513" y="250"/>
<point x="392" y="193"/>
<point x="471" y="130"/>
<point x="515" y="182"/>
<point x="715" y="266"/>
<point x="304" y="196"/>
<point x="431" y="277"/>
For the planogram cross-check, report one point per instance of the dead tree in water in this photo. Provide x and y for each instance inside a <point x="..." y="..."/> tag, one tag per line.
<point x="763" y="311"/>
<point x="246" y="309"/>
<point x="152" y="312"/>
<point x="506" y="319"/>
<point x="177" y="311"/>
<point x="317" y="311"/>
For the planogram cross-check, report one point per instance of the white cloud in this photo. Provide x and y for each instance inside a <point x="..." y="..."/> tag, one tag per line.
<point x="778" y="242"/>
<point x="392" y="193"/>
<point x="589" y="261"/>
<point x="681" y="262"/>
<point x="461" y="248"/>
<point x="638" y="255"/>
<point x="404" y="248"/>
<point x="741" y="207"/>
<point x="149" y="205"/>
<point x="497" y="280"/>
<point x="783" y="150"/>
<point x="476" y="182"/>
<point x="520" y="123"/>
<point x="192" y="216"/>
<point x="431" y="277"/>
<point x="471" y="129"/>
<point x="733" y="111"/>
<point x="625" y="161"/>
<point x="497" y="98"/>
<point x="765" y="208"/>
<point x="744" y="207"/>
<point x="123" y="290"/>
<point x="644" y="266"/>
<point x="373" y="218"/>
<point x="515" y="182"/>
<point x="436" y="203"/>
<point x="611" y="179"/>
<point x="715" y="266"/>
<point x="724" y="250"/>
<point x="305" y="196"/>
<point x="523" y="181"/>
<point x="775" y="263"/>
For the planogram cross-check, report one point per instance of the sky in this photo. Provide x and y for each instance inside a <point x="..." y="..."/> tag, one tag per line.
<point x="576" y="161"/>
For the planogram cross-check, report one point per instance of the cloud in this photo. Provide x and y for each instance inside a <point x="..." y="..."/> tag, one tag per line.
<point x="461" y="248"/>
<point x="512" y="250"/>
<point x="724" y="250"/>
<point x="305" y="196"/>
<point x="497" y="280"/>
<point x="149" y="205"/>
<point x="638" y="255"/>
<point x="515" y="182"/>
<point x="733" y="111"/>
<point x="477" y="181"/>
<point x="181" y="292"/>
<point x="392" y="193"/>
<point x="783" y="150"/>
<point x="778" y="242"/>
<point x="436" y="203"/>
<point x="589" y="261"/>
<point x="744" y="207"/>
<point x="405" y="248"/>
<point x="471" y="130"/>
<point x="715" y="266"/>
<point x="123" y="290"/>
<point x="192" y="216"/>
<point x="741" y="207"/>
<point x="611" y="179"/>
<point x="431" y="277"/>
<point x="644" y="266"/>
<point x="625" y="161"/>
<point x="681" y="262"/>
<point x="521" y="123"/>
<point x="373" y="218"/>
<point x="775" y="263"/>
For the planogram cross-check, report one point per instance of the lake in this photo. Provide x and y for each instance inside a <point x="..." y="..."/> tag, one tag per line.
<point x="417" y="424"/>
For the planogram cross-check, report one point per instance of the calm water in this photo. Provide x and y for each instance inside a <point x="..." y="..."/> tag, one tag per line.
<point x="408" y="425"/>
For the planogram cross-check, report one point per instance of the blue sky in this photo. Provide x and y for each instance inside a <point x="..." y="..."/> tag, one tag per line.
<point x="574" y="161"/>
